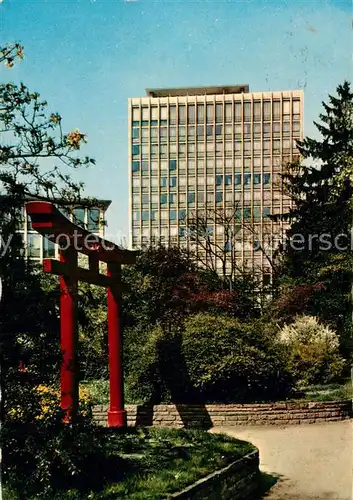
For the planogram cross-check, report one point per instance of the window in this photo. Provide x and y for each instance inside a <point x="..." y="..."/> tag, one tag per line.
<point x="172" y="113"/>
<point x="228" y="180"/>
<point x="48" y="248"/>
<point x="276" y="109"/>
<point x="154" y="115"/>
<point x="237" y="111"/>
<point x="247" y="213"/>
<point x="164" y="182"/>
<point x="257" y="179"/>
<point x="172" y="181"/>
<point x="237" y="179"/>
<point x="93" y="220"/>
<point x="296" y="107"/>
<point x="191" y="132"/>
<point x="135" y="166"/>
<point x="191" y="113"/>
<point x="191" y="197"/>
<point x="286" y="107"/>
<point x="257" y="213"/>
<point x="219" y="180"/>
<point x="200" y="113"/>
<point x="219" y="196"/>
<point x="257" y="111"/>
<point x="163" y="110"/>
<point x="34" y="245"/>
<point x="173" y="215"/>
<point x="79" y="216"/>
<point x="200" y="130"/>
<point x="247" y="111"/>
<point x="266" y="211"/>
<point x="247" y="179"/>
<point x="145" y="166"/>
<point x="136" y="114"/>
<point x="228" y="111"/>
<point x="209" y="130"/>
<point x="286" y="126"/>
<point x="182" y="214"/>
<point x="145" y="198"/>
<point x="136" y="216"/>
<point x="172" y="164"/>
<point x="237" y="146"/>
<point x="219" y="129"/>
<point x="145" y="215"/>
<point x="210" y="113"/>
<point x="182" y="149"/>
<point x="135" y="150"/>
<point x="172" y="133"/>
<point x="267" y="110"/>
<point x="219" y="113"/>
<point x="276" y="127"/>
<point x="257" y="145"/>
<point x="266" y="178"/>
<point x="296" y="126"/>
<point x="182" y="113"/>
<point x="135" y="133"/>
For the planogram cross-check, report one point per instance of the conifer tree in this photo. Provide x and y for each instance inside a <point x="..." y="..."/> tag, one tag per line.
<point x="317" y="249"/>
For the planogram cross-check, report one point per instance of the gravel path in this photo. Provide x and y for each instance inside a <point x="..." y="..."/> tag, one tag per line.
<point x="311" y="462"/>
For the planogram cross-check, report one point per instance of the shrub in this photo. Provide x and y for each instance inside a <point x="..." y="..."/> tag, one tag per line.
<point x="313" y="351"/>
<point x="211" y="358"/>
<point x="231" y="361"/>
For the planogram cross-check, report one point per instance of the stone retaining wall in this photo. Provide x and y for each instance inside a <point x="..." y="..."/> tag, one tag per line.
<point x="215" y="415"/>
<point x="237" y="481"/>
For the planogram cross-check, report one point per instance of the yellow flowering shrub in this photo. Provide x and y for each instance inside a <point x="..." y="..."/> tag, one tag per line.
<point x="49" y="398"/>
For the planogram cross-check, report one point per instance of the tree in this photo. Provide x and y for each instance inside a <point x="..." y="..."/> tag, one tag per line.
<point x="36" y="160"/>
<point x="215" y="235"/>
<point x="321" y="191"/>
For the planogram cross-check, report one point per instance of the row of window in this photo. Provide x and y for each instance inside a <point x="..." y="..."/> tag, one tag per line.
<point x="238" y="147"/>
<point x="39" y="247"/>
<point x="239" y="179"/>
<point x="156" y="165"/>
<point x="246" y="129"/>
<point x="215" y="112"/>
<point x="174" y="215"/>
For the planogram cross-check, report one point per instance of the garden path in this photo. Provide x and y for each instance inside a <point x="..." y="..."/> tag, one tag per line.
<point x="311" y="462"/>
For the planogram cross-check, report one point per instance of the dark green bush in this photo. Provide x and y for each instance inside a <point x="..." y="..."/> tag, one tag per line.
<point x="212" y="358"/>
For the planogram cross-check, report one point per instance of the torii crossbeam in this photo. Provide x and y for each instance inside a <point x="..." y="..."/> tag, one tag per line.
<point x="72" y="239"/>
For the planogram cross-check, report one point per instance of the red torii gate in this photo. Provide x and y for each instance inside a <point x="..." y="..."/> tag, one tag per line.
<point x="72" y="239"/>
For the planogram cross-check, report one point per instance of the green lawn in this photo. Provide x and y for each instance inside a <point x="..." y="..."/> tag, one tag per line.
<point x="147" y="464"/>
<point x="99" y="392"/>
<point x="329" y="392"/>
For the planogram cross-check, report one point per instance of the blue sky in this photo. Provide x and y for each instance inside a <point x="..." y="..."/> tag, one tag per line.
<point x="86" y="57"/>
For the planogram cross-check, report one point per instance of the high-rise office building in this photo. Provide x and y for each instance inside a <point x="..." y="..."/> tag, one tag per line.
<point x="211" y="150"/>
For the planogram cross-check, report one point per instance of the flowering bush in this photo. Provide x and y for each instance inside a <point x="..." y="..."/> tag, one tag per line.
<point x="313" y="351"/>
<point x="49" y="401"/>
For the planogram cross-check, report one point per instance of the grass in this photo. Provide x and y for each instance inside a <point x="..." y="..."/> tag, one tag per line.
<point x="98" y="391"/>
<point x="149" y="464"/>
<point x="329" y="392"/>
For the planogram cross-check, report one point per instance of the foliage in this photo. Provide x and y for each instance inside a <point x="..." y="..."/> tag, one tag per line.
<point x="321" y="192"/>
<point x="227" y="360"/>
<point x="313" y="351"/>
<point x="210" y="358"/>
<point x="143" y="463"/>
<point x="36" y="160"/>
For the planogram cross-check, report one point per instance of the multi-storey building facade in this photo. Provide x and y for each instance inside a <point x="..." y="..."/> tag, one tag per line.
<point x="36" y="247"/>
<point x="197" y="150"/>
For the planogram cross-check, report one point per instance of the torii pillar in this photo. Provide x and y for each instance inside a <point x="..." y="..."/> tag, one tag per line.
<point x="51" y="223"/>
